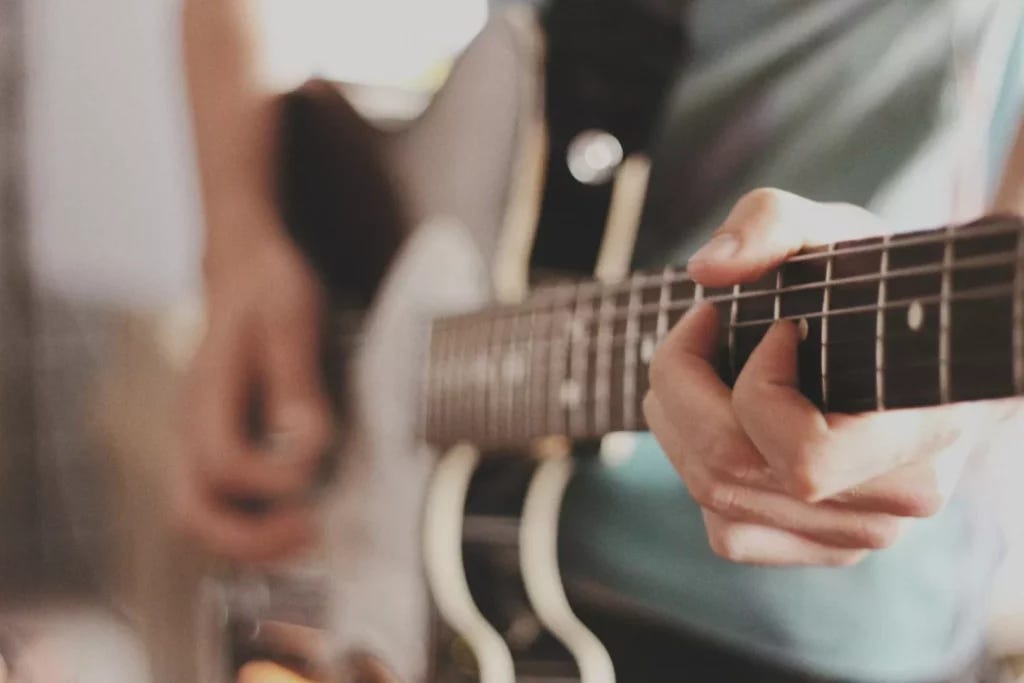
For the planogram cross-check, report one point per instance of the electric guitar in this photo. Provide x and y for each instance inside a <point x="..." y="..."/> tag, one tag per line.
<point x="439" y="376"/>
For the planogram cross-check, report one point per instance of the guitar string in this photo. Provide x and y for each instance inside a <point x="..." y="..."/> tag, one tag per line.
<point x="846" y="370"/>
<point x="621" y="341"/>
<point x="576" y="294"/>
<point x="620" y="311"/>
<point x="878" y="245"/>
<point x="858" y="398"/>
<point x="993" y="292"/>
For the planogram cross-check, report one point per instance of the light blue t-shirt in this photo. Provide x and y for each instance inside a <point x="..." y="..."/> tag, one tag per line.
<point x="839" y="100"/>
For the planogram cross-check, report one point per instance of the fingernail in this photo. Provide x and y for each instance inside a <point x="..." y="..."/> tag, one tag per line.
<point x="720" y="248"/>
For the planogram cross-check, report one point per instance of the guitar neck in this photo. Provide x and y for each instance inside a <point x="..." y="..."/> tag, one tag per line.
<point x="907" y="320"/>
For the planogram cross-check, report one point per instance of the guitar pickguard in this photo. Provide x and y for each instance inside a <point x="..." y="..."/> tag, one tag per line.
<point x="379" y="599"/>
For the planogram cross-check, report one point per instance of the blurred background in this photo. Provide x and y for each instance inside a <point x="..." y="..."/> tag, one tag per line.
<point x="99" y="245"/>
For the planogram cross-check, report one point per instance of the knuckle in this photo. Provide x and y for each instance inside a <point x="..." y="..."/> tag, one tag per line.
<point x="699" y="488"/>
<point x="713" y="494"/>
<point x="878" y="533"/>
<point x="720" y="454"/>
<point x="762" y="204"/>
<point x="921" y="503"/>
<point x="721" y="497"/>
<point x="805" y="477"/>
<point x="727" y="541"/>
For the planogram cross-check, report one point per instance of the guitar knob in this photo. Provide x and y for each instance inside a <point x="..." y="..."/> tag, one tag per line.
<point x="593" y="156"/>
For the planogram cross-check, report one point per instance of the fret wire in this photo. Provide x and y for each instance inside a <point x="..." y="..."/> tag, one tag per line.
<point x="513" y="370"/>
<point x="603" y="366"/>
<point x="826" y="303"/>
<point x="629" y="379"/>
<point x="482" y="361"/>
<point x="664" y="300"/>
<point x="883" y="268"/>
<point x="777" y="304"/>
<point x="734" y="312"/>
<point x="500" y="368"/>
<point x="1018" y="318"/>
<point x="452" y="388"/>
<point x="944" y="322"/>
<point x="445" y="393"/>
<point x="521" y="371"/>
<point x="524" y="414"/>
<point x="549" y="379"/>
<point x="574" y="391"/>
<point x="561" y="327"/>
<point x="494" y="379"/>
<point x="471" y="387"/>
<point x="449" y="386"/>
<point x="506" y="374"/>
<point x="435" y="405"/>
<point x="533" y="410"/>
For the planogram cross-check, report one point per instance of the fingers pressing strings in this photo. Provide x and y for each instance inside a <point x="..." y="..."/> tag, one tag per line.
<point x="715" y="490"/>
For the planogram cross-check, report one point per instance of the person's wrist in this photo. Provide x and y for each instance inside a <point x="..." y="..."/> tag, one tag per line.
<point x="236" y="234"/>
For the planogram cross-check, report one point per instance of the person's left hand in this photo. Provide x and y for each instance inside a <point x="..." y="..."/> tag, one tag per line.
<point x="779" y="482"/>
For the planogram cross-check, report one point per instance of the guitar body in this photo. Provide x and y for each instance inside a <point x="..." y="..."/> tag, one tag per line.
<point x="379" y="597"/>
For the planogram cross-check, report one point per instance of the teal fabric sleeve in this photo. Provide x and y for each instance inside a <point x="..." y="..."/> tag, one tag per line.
<point x="898" y="616"/>
<point x="1009" y="112"/>
<point x="832" y="100"/>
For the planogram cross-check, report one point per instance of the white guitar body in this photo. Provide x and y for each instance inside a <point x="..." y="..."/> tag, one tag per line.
<point x="380" y="602"/>
<point x="396" y="514"/>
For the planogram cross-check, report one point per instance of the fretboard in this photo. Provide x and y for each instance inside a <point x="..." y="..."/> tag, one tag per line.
<point x="907" y="320"/>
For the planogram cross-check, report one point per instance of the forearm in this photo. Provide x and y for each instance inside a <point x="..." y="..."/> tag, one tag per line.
<point x="234" y="121"/>
<point x="1010" y="197"/>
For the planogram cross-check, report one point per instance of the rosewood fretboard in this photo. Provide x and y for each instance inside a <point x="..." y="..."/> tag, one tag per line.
<point x="907" y="320"/>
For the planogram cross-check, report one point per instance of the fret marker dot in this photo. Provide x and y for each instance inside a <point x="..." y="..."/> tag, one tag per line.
<point x="804" y="328"/>
<point x="569" y="394"/>
<point x="647" y="349"/>
<point x="915" y="316"/>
